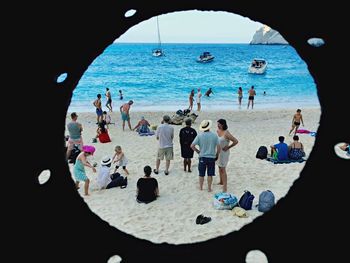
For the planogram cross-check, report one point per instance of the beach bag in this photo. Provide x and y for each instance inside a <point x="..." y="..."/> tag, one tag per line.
<point x="179" y="112"/>
<point x="193" y="117"/>
<point x="177" y="119"/>
<point x="246" y="200"/>
<point x="74" y="154"/>
<point x="266" y="201"/>
<point x="186" y="112"/>
<point x="224" y="201"/>
<point x="117" y="180"/>
<point x="261" y="153"/>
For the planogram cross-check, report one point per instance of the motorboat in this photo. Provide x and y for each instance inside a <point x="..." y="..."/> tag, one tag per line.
<point x="258" y="66"/>
<point x="205" y="57"/>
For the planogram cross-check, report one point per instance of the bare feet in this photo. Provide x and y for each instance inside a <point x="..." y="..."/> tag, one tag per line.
<point x="219" y="183"/>
<point x="209" y="190"/>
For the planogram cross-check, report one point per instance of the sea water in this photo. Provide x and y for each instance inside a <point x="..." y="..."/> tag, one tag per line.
<point x="164" y="83"/>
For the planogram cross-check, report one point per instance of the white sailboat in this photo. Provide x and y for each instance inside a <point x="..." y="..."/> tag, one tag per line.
<point x="158" y="52"/>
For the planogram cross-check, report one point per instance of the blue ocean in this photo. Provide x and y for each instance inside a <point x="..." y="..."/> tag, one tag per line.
<point x="164" y="83"/>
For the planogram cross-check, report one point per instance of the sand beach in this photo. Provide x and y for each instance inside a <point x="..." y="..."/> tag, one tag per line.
<point x="171" y="218"/>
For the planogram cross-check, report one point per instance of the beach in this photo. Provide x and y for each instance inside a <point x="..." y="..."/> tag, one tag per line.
<point x="171" y="218"/>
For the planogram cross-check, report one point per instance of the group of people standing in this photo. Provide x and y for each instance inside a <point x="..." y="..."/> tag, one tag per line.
<point x="213" y="148"/>
<point x="251" y="92"/>
<point x="199" y="98"/>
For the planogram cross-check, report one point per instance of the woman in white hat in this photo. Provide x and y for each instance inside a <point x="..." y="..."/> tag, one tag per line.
<point x="103" y="177"/>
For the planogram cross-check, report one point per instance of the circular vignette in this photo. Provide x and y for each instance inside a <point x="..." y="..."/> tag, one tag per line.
<point x="231" y="12"/>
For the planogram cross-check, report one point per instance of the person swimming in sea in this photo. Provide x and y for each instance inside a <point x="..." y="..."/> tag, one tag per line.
<point x="208" y="92"/>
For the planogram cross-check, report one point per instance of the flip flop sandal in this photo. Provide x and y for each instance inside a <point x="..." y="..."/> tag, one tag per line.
<point x="198" y="219"/>
<point x="155" y="171"/>
<point x="166" y="173"/>
<point x="205" y="220"/>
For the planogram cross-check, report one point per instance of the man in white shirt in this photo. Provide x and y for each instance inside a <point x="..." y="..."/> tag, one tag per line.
<point x="165" y="135"/>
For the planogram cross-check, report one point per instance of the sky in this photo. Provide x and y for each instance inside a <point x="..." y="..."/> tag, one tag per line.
<point x="193" y="27"/>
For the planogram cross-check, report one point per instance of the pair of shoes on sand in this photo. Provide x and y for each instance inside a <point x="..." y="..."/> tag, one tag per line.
<point x="201" y="220"/>
<point x="156" y="172"/>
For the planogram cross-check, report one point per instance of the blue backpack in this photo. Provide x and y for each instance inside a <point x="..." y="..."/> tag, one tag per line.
<point x="246" y="200"/>
<point x="266" y="201"/>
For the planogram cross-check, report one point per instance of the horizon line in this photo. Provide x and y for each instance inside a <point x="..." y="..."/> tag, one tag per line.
<point x="156" y="43"/>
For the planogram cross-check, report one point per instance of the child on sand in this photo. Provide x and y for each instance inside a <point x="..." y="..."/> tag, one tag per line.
<point x="120" y="158"/>
<point x="79" y="167"/>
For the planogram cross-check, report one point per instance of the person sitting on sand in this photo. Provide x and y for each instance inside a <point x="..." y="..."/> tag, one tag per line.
<point x="345" y="147"/>
<point x="104" y="177"/>
<point x="296" y="149"/>
<point x="279" y="151"/>
<point x="147" y="187"/>
<point x="107" y="118"/>
<point x="79" y="169"/>
<point x="143" y="126"/>
<point x="102" y="133"/>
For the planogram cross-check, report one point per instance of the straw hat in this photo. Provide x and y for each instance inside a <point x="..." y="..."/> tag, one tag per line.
<point x="205" y="125"/>
<point x="106" y="160"/>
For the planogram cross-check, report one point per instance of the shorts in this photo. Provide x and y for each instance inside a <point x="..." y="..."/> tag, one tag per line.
<point x="109" y="102"/>
<point x="296" y="123"/>
<point x="99" y="112"/>
<point x="204" y="164"/>
<point x="251" y="98"/>
<point x="72" y="142"/>
<point x="167" y="152"/>
<point x="125" y="117"/>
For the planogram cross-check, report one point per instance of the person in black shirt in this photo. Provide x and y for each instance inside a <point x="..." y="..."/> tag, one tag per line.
<point x="147" y="187"/>
<point x="187" y="135"/>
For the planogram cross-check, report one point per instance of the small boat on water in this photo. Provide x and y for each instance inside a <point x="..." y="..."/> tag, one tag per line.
<point x="205" y="57"/>
<point x="258" y="66"/>
<point x="158" y="52"/>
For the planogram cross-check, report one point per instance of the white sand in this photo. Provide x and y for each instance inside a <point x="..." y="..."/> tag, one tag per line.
<point x="171" y="218"/>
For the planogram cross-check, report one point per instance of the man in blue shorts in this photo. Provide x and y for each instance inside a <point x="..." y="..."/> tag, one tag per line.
<point x="209" y="146"/>
<point x="97" y="103"/>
